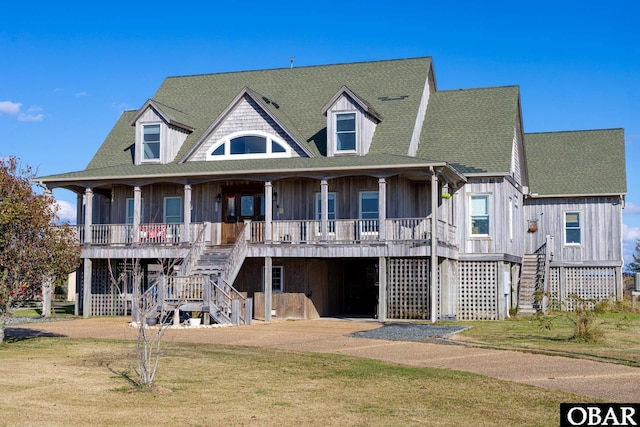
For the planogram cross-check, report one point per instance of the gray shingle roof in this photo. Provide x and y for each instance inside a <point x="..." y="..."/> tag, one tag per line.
<point x="576" y="163"/>
<point x="472" y="129"/>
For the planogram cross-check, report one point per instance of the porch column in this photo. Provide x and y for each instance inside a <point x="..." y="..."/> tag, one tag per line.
<point x="382" y="209"/>
<point x="137" y="213"/>
<point x="382" y="289"/>
<point x="324" y="209"/>
<point x="268" y="213"/>
<point x="88" y="214"/>
<point x="268" y="280"/>
<point x="433" y="273"/>
<point x="187" y="213"/>
<point x="86" y="289"/>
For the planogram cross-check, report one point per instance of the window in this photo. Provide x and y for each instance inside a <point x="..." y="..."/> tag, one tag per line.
<point x="131" y="208"/>
<point x="172" y="209"/>
<point x="277" y="278"/>
<point x="151" y="142"/>
<point x="346" y="132"/>
<point x="331" y="211"/>
<point x="480" y="215"/>
<point x="572" y="228"/>
<point x="253" y="145"/>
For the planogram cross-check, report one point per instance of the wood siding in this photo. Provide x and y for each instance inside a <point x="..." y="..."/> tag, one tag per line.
<point x="365" y="125"/>
<point x="171" y="137"/>
<point x="499" y="241"/>
<point x="600" y="228"/>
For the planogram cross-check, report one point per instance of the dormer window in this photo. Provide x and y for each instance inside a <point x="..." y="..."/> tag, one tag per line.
<point x="345" y="133"/>
<point x="151" y="142"/>
<point x="252" y="145"/>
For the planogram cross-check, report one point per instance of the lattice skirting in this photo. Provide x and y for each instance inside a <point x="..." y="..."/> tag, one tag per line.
<point x="408" y="288"/>
<point x="109" y="305"/>
<point x="477" y="291"/>
<point x="589" y="283"/>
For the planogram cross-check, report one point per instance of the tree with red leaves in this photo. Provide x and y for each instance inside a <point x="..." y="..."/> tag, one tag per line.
<point x="34" y="249"/>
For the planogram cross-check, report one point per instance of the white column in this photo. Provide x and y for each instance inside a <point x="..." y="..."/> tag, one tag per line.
<point x="137" y="213"/>
<point x="268" y="264"/>
<point x="434" y="247"/>
<point x="268" y="212"/>
<point x="324" y="209"/>
<point x="88" y="214"/>
<point x="382" y="209"/>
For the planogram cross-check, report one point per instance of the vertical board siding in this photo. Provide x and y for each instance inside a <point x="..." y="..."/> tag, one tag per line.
<point x="601" y="228"/>
<point x="589" y="283"/>
<point x="498" y="241"/>
<point x="408" y="288"/>
<point x="477" y="292"/>
<point x="365" y="126"/>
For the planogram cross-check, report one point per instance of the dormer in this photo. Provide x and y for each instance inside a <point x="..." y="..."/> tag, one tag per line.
<point x="159" y="133"/>
<point x="351" y="123"/>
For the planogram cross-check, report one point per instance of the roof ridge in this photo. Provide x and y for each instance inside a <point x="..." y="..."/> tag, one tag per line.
<point x="573" y="131"/>
<point x="337" y="64"/>
<point x="479" y="88"/>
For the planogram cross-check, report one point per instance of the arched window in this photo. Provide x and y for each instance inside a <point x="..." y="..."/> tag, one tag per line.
<point x="249" y="145"/>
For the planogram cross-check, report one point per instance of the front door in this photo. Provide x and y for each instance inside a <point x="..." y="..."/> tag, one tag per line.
<point x="240" y="204"/>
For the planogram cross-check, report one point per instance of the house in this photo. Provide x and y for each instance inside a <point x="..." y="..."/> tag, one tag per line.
<point x="351" y="189"/>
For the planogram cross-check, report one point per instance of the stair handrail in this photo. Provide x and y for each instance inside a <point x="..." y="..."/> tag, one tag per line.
<point x="236" y="256"/>
<point x="196" y="249"/>
<point x="147" y="303"/>
<point x="548" y="255"/>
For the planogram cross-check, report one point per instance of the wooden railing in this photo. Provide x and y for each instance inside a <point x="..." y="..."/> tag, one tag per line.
<point x="195" y="251"/>
<point x="148" y="234"/>
<point x="352" y="231"/>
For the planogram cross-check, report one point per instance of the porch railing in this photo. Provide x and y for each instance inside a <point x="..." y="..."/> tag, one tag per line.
<point x="352" y="230"/>
<point x="148" y="234"/>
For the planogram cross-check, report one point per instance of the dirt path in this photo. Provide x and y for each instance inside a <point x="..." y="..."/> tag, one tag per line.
<point x="614" y="383"/>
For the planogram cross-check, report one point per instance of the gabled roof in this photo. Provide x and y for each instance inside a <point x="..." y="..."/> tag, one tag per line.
<point x="472" y="129"/>
<point x="264" y="103"/>
<point x="576" y="163"/>
<point x="169" y="114"/>
<point x="359" y="101"/>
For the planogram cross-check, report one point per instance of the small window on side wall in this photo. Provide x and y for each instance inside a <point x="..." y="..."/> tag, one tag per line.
<point x="151" y="142"/>
<point x="572" y="228"/>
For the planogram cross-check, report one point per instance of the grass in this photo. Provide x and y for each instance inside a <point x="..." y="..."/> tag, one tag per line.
<point x="58" y="309"/>
<point x="621" y="342"/>
<point x="62" y="381"/>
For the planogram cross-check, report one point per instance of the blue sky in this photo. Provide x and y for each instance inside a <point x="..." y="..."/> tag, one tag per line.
<point x="67" y="73"/>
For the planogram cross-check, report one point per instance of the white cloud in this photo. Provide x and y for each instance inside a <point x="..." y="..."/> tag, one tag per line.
<point x="122" y="106"/>
<point x="10" y="108"/>
<point x="631" y="209"/>
<point x="14" y="109"/>
<point x="630" y="234"/>
<point x="66" y="211"/>
<point x="81" y="94"/>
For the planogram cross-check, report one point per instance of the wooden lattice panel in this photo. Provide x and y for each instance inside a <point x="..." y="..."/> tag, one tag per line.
<point x="408" y="289"/>
<point x="589" y="283"/>
<point x="477" y="291"/>
<point x="108" y="305"/>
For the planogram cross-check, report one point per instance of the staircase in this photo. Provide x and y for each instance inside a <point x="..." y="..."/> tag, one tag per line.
<point x="211" y="262"/>
<point x="530" y="277"/>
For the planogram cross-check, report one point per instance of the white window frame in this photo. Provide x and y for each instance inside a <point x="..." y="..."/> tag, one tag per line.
<point x="331" y="227"/>
<point x="226" y="142"/>
<point x="487" y="214"/>
<point x="143" y="143"/>
<point x="579" y="228"/>
<point x="164" y="209"/>
<point x="274" y="276"/>
<point x="130" y="208"/>
<point x="335" y="131"/>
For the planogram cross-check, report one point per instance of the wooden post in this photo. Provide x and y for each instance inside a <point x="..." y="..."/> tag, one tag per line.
<point x="268" y="280"/>
<point x="268" y="212"/>
<point x="382" y="289"/>
<point x="86" y="289"/>
<point x="433" y="273"/>
<point x="235" y="312"/>
<point x="382" y="209"/>
<point x="137" y="213"/>
<point x="186" y="237"/>
<point x="88" y="214"/>
<point x="324" y="209"/>
<point x="248" y="310"/>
